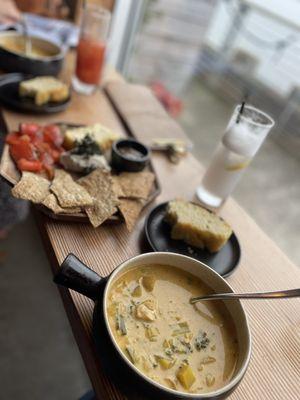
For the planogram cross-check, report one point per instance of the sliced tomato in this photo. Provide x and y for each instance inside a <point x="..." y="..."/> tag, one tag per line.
<point x="35" y="148"/>
<point x="23" y="149"/>
<point x="49" y="169"/>
<point x="46" y="159"/>
<point x="25" y="138"/>
<point x="53" y="135"/>
<point x="27" y="165"/>
<point x="55" y="154"/>
<point x="29" y="129"/>
<point x="37" y="138"/>
<point x="12" y="138"/>
<point x="43" y="147"/>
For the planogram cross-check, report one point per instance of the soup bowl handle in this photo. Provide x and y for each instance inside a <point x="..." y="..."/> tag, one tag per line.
<point x="74" y="274"/>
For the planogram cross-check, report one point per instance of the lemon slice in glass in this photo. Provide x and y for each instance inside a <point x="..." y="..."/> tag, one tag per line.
<point x="238" y="166"/>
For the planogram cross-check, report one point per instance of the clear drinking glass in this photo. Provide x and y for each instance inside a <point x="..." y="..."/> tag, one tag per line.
<point x="243" y="137"/>
<point x="91" y="48"/>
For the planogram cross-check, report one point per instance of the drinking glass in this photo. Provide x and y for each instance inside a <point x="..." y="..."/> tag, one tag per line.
<point x="91" y="48"/>
<point x="242" y="139"/>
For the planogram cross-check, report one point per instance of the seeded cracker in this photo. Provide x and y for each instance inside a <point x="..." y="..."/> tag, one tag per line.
<point x="51" y="202"/>
<point x="68" y="192"/>
<point x="130" y="209"/>
<point x="136" y="184"/>
<point x="117" y="189"/>
<point x="99" y="185"/>
<point x="31" y="187"/>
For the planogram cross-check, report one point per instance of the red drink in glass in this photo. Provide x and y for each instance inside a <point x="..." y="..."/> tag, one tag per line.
<point x="90" y="60"/>
<point x="91" y="49"/>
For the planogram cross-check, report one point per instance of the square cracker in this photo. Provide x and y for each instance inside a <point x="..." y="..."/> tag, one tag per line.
<point x="99" y="185"/>
<point x="136" y="184"/>
<point x="117" y="189"/>
<point x="68" y="192"/>
<point x="31" y="187"/>
<point x="51" y="202"/>
<point x="130" y="209"/>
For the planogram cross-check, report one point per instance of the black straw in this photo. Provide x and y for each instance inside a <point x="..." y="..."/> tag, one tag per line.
<point x="240" y="112"/>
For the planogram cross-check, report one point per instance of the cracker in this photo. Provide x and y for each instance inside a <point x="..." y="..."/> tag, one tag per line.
<point x="51" y="202"/>
<point x="31" y="187"/>
<point x="68" y="192"/>
<point x="99" y="185"/>
<point x="117" y="189"/>
<point x="136" y="184"/>
<point x="130" y="209"/>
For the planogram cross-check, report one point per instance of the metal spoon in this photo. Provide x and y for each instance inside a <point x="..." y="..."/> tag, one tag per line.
<point x="281" y="294"/>
<point x="26" y="37"/>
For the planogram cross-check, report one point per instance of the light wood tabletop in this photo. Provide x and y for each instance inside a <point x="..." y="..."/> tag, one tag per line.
<point x="275" y="325"/>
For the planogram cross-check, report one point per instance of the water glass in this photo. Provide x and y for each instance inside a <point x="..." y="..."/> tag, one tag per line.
<point x="242" y="139"/>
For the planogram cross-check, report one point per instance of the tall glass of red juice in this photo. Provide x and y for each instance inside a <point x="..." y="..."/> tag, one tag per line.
<point x="91" y="49"/>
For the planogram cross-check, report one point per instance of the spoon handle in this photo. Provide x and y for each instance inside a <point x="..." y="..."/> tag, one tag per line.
<point x="26" y="36"/>
<point x="281" y="294"/>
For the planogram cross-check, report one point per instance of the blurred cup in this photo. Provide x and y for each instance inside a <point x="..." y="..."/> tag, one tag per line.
<point x="91" y="49"/>
<point x="245" y="133"/>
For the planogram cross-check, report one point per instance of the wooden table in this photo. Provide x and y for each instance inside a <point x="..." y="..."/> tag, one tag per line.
<point x="275" y="365"/>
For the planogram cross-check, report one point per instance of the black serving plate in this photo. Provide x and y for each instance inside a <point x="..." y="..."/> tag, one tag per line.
<point x="158" y="234"/>
<point x="9" y="97"/>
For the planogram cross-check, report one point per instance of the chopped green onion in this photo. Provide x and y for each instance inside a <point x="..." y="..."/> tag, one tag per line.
<point x="121" y="324"/>
<point x="180" y="329"/>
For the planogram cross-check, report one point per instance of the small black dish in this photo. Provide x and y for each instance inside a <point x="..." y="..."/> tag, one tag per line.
<point x="158" y="234"/>
<point x="129" y="155"/>
<point x="9" y="97"/>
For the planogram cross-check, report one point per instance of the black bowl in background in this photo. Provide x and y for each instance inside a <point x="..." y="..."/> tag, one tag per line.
<point x="122" y="162"/>
<point x="12" y="61"/>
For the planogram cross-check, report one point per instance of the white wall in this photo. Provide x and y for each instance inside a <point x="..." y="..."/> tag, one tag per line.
<point x="168" y="45"/>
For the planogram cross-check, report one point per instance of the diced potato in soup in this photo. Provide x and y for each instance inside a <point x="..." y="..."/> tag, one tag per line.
<point x="189" y="348"/>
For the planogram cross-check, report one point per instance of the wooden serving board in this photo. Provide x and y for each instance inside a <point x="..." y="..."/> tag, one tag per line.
<point x="10" y="172"/>
<point x="145" y="118"/>
<point x="8" y="169"/>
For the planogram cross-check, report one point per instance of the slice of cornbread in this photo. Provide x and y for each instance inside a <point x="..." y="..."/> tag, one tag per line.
<point x="44" y="89"/>
<point x="103" y="136"/>
<point x="196" y="226"/>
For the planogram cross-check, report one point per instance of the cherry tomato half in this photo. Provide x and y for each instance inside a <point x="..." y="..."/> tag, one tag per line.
<point x="12" y="138"/>
<point x="53" y="135"/>
<point x="29" y="129"/>
<point x="26" y="165"/>
<point x="23" y="149"/>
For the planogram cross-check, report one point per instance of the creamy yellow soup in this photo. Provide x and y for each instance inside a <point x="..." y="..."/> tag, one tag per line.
<point x="17" y="45"/>
<point x="189" y="348"/>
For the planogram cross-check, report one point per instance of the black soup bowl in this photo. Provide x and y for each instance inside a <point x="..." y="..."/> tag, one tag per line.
<point x="75" y="275"/>
<point x="14" y="59"/>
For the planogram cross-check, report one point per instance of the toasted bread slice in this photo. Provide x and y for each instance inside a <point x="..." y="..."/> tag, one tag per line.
<point x="44" y="89"/>
<point x="103" y="136"/>
<point x="197" y="226"/>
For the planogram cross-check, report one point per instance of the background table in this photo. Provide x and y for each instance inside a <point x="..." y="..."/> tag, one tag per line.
<point x="275" y="325"/>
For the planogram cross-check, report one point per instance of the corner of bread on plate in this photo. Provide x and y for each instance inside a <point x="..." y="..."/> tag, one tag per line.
<point x="196" y="225"/>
